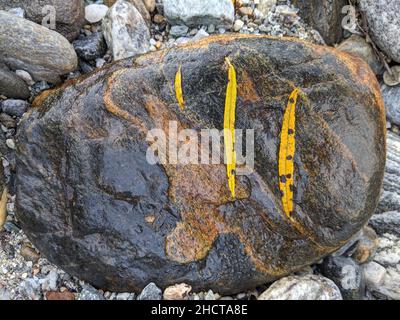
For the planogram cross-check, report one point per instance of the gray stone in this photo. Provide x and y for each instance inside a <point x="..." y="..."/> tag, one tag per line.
<point x="95" y="12"/>
<point x="150" y="292"/>
<point x="390" y="199"/>
<point x="358" y="46"/>
<point x="309" y="287"/>
<point x="14" y="108"/>
<point x="69" y="15"/>
<point x="12" y="86"/>
<point x="374" y="274"/>
<point x="123" y="296"/>
<point x="178" y="31"/>
<point x="25" y="76"/>
<point x="391" y="97"/>
<point x="19" y="12"/>
<point x="43" y="53"/>
<point x="385" y="285"/>
<point x="388" y="253"/>
<point x="265" y="6"/>
<point x="50" y="282"/>
<point x="347" y="275"/>
<point x="194" y="12"/>
<point x="388" y="222"/>
<point x="125" y="31"/>
<point x="201" y="34"/>
<point x="90" y="293"/>
<point x="91" y="47"/>
<point x="30" y="288"/>
<point x="383" y="18"/>
<point x="4" y="294"/>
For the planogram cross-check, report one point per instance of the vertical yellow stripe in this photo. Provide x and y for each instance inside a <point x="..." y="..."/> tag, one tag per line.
<point x="229" y="127"/>
<point x="178" y="88"/>
<point x="287" y="152"/>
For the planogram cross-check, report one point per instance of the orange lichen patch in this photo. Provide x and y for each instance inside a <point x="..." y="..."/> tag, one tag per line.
<point x="114" y="108"/>
<point x="186" y="244"/>
<point x="40" y="99"/>
<point x="246" y="88"/>
<point x="197" y="198"/>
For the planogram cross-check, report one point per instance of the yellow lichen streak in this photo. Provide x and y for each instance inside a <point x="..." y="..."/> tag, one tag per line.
<point x="286" y="153"/>
<point x="178" y="88"/>
<point x="229" y="127"/>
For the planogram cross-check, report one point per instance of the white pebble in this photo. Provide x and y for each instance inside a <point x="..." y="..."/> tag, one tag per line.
<point x="95" y="12"/>
<point x="10" y="143"/>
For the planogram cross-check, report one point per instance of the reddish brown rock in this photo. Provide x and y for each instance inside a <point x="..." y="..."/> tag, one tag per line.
<point x="66" y="295"/>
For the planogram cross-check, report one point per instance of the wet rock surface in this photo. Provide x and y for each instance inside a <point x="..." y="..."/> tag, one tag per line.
<point x="90" y="199"/>
<point x="25" y="45"/>
<point x="347" y="275"/>
<point x="325" y="16"/>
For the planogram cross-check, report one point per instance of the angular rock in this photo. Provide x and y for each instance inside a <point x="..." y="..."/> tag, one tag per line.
<point x="89" y="293"/>
<point x="125" y="31"/>
<point x="388" y="222"/>
<point x="69" y="15"/>
<point x="374" y="274"/>
<point x="139" y="5"/>
<point x="309" y="287"/>
<point x="391" y="97"/>
<point x="91" y="47"/>
<point x="383" y="274"/>
<point x="358" y="45"/>
<point x="43" y="53"/>
<point x="150" y="292"/>
<point x="265" y="6"/>
<point x="87" y="195"/>
<point x="325" y="16"/>
<point x="390" y="199"/>
<point x="11" y="85"/>
<point x="194" y="12"/>
<point x="388" y="253"/>
<point x="383" y="17"/>
<point x="347" y="275"/>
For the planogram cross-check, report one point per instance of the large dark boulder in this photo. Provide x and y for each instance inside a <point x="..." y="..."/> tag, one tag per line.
<point x="89" y="200"/>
